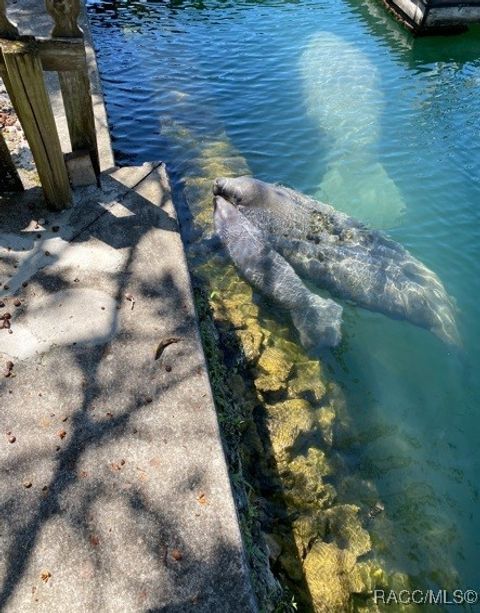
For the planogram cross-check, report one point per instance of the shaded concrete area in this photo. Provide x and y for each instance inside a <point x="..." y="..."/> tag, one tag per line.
<point x="114" y="493"/>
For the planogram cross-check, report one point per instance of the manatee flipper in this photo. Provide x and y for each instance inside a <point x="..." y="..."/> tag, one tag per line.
<point x="317" y="320"/>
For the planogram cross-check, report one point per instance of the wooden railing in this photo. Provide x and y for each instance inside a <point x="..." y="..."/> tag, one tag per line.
<point x="23" y="59"/>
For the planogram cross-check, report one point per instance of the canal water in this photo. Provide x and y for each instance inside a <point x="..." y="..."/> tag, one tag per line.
<point x="336" y="100"/>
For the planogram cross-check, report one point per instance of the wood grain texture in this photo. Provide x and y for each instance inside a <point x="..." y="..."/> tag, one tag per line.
<point x="26" y="88"/>
<point x="77" y="99"/>
<point x="55" y="55"/>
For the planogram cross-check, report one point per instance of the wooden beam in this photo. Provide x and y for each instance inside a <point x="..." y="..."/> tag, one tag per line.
<point x="27" y="91"/>
<point x="56" y="55"/>
<point x="9" y="179"/>
<point x="59" y="55"/>
<point x="78" y="104"/>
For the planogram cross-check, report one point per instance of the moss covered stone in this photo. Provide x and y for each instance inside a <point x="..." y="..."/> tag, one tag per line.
<point x="346" y="527"/>
<point x="251" y="341"/>
<point x="331" y="576"/>
<point x="286" y="422"/>
<point x="307" y="380"/>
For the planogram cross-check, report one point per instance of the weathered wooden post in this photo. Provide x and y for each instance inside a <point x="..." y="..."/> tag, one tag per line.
<point x="75" y="84"/>
<point x="26" y="88"/>
<point x="9" y="179"/>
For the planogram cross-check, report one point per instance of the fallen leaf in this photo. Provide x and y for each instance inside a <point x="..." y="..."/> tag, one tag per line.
<point x="202" y="499"/>
<point x="164" y="344"/>
<point x="45" y="576"/>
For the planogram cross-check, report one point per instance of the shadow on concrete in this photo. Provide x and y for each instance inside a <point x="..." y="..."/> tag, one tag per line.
<point x="104" y="433"/>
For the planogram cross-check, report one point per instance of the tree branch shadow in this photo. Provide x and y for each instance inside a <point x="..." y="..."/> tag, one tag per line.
<point x="110" y="392"/>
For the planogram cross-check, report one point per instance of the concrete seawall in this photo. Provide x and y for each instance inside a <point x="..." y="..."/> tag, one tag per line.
<point x="115" y="493"/>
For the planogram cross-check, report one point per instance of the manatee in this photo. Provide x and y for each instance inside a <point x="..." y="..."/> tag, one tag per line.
<point x="342" y="255"/>
<point x="343" y="96"/>
<point x="316" y="319"/>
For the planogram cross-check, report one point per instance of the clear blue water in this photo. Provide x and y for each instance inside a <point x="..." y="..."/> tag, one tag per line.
<point x="335" y="99"/>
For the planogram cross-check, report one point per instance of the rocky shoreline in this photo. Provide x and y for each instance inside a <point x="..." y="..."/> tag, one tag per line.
<point x="305" y="517"/>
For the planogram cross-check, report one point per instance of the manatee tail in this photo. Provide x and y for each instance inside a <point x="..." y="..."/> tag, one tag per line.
<point x="432" y="301"/>
<point x="318" y="322"/>
<point x="364" y="190"/>
<point x="445" y="326"/>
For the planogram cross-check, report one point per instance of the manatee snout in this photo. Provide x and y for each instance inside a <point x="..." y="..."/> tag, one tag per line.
<point x="219" y="186"/>
<point x="233" y="190"/>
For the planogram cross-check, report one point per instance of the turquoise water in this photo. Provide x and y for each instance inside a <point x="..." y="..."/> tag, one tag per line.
<point x="337" y="100"/>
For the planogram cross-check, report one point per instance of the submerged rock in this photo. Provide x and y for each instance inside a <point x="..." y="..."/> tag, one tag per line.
<point x="281" y="443"/>
<point x="251" y="341"/>
<point x="274" y="371"/>
<point x="307" y="381"/>
<point x="286" y="422"/>
<point x="304" y="480"/>
<point x="346" y="528"/>
<point x="273" y="362"/>
<point x="332" y="576"/>
<point x="307" y="529"/>
<point x="326" y="419"/>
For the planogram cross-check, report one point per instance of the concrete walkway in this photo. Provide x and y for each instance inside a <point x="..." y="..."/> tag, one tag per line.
<point x="114" y="491"/>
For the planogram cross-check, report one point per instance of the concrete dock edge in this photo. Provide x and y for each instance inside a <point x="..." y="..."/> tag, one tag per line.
<point x="115" y="489"/>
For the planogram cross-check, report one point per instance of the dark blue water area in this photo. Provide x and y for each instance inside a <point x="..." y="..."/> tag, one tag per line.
<point x="337" y="100"/>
